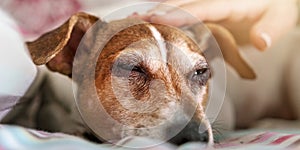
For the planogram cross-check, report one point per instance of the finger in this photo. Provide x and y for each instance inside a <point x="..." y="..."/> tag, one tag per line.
<point x="143" y="16"/>
<point x="177" y="18"/>
<point x="177" y="2"/>
<point x="278" y="20"/>
<point x="194" y="12"/>
<point x="167" y="6"/>
<point x="160" y="9"/>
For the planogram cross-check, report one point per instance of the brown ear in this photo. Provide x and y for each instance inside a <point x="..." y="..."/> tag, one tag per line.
<point x="57" y="48"/>
<point x="227" y="45"/>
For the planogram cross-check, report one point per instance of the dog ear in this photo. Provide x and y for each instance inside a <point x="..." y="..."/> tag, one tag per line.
<point x="57" y="48"/>
<point x="227" y="45"/>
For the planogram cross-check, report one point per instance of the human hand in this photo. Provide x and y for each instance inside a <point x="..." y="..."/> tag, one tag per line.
<point x="261" y="22"/>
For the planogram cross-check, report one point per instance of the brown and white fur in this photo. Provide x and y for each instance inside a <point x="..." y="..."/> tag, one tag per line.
<point x="146" y="75"/>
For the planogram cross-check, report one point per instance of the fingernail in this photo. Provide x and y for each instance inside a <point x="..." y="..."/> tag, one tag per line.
<point x="267" y="39"/>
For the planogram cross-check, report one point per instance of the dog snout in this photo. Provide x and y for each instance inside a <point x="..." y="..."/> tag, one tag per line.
<point x="191" y="132"/>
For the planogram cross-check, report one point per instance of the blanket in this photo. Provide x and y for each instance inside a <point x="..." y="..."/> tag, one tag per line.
<point x="15" y="137"/>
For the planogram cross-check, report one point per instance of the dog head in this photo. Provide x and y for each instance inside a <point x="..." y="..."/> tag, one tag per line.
<point x="147" y="75"/>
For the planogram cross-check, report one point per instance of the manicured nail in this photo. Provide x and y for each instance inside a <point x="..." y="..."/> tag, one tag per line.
<point x="267" y="39"/>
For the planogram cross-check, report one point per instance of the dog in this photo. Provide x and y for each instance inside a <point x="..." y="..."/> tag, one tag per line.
<point x="146" y="76"/>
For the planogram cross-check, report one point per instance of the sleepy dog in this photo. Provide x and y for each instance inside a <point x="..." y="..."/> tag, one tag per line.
<point x="145" y="76"/>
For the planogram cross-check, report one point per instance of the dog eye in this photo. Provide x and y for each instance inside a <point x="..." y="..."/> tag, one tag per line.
<point x="137" y="69"/>
<point x="132" y="68"/>
<point x="124" y="70"/>
<point x="201" y="76"/>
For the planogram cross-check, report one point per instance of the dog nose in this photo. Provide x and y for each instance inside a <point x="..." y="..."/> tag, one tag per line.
<point x="191" y="132"/>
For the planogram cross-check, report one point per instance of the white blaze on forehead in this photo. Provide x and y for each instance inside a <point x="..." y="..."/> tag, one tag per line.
<point x="161" y="42"/>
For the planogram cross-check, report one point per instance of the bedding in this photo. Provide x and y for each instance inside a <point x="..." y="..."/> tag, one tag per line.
<point x="15" y="137"/>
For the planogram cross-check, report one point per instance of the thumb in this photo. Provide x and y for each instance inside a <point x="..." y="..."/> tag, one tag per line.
<point x="277" y="21"/>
